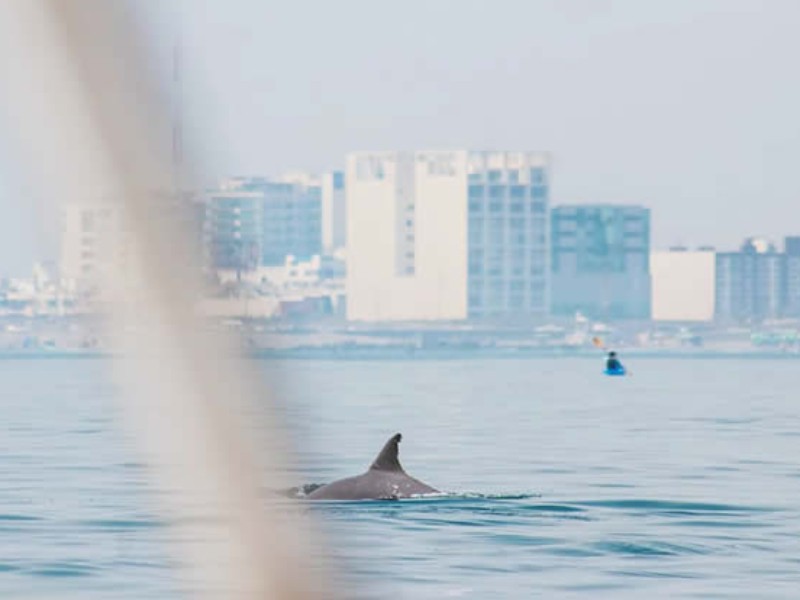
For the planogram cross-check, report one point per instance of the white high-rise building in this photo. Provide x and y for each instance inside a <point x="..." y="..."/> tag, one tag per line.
<point x="92" y="241"/>
<point x="683" y="285"/>
<point x="447" y="235"/>
<point x="96" y="239"/>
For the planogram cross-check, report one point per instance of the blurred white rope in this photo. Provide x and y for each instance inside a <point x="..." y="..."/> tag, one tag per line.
<point x="186" y="393"/>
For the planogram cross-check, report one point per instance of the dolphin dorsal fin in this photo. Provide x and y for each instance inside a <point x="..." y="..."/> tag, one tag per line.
<point x="387" y="460"/>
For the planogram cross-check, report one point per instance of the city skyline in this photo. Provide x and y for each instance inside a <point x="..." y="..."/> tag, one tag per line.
<point x="685" y="107"/>
<point x="442" y="236"/>
<point x="429" y="236"/>
<point x="321" y="181"/>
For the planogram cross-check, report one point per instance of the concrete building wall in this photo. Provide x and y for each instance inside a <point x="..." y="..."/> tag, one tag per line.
<point x="93" y="240"/>
<point x="440" y="233"/>
<point x="683" y="286"/>
<point x="375" y="291"/>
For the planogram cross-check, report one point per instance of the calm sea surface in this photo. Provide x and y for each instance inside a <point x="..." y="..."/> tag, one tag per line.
<point x="682" y="481"/>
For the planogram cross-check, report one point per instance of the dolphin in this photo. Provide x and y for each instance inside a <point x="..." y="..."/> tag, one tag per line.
<point x="385" y="480"/>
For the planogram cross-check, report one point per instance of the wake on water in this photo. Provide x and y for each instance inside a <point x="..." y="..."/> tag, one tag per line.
<point x="303" y="491"/>
<point x="533" y="504"/>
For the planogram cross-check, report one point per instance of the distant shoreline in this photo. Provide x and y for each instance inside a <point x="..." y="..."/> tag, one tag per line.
<point x="373" y="353"/>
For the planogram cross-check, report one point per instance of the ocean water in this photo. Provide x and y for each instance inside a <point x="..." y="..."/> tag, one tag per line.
<point x="681" y="481"/>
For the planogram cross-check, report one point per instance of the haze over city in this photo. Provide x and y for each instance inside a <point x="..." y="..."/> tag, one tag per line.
<point x="688" y="108"/>
<point x="248" y="247"/>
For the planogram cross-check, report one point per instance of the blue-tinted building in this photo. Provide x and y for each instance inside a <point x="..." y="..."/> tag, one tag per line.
<point x="601" y="261"/>
<point x="792" y="251"/>
<point x="508" y="248"/>
<point x="273" y="218"/>
<point x="234" y="229"/>
<point x="758" y="282"/>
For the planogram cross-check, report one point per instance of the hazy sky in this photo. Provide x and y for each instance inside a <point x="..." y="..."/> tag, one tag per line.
<point x="689" y="107"/>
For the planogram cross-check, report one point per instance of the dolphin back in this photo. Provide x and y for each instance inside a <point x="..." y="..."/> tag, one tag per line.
<point x="385" y="480"/>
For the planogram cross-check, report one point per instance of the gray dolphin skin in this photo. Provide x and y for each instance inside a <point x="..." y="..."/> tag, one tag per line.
<point x="385" y="480"/>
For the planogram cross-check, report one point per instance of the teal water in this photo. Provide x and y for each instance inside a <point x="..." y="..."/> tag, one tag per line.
<point x="682" y="481"/>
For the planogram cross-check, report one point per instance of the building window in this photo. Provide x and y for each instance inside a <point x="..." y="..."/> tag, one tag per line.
<point x="476" y="191"/>
<point x="497" y="191"/>
<point x="517" y="207"/>
<point x="538" y="192"/>
<point x="441" y="165"/>
<point x="517" y="192"/>
<point x="537" y="176"/>
<point x="475" y="236"/>
<point x="494" y="175"/>
<point x="338" y="180"/>
<point x="537" y="288"/>
<point x="370" y="168"/>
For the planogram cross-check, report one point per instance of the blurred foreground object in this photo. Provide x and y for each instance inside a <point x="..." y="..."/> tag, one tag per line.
<point x="87" y="113"/>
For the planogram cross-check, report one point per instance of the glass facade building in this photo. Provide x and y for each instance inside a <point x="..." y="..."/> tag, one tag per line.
<point x="508" y="241"/>
<point x="264" y="220"/>
<point x="758" y="282"/>
<point x="601" y="261"/>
